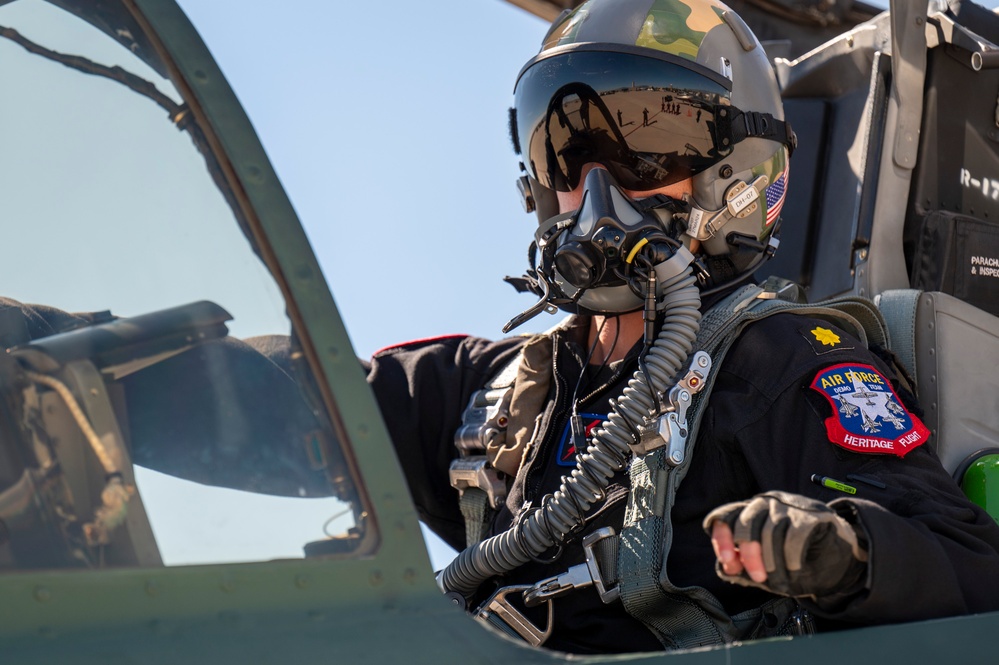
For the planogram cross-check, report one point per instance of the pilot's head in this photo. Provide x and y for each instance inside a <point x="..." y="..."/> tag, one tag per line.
<point x="643" y="125"/>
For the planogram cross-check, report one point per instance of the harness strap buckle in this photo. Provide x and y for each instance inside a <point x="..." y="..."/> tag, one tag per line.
<point x="672" y="427"/>
<point x="600" y="548"/>
<point x="485" y="419"/>
<point x="599" y="571"/>
<point x="476" y="472"/>
<point x="498" y="610"/>
<point x="576" y="577"/>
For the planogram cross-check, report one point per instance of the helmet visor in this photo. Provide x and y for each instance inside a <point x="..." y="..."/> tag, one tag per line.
<point x="650" y="121"/>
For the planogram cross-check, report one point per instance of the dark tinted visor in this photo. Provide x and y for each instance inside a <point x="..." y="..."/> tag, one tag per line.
<point x="651" y="122"/>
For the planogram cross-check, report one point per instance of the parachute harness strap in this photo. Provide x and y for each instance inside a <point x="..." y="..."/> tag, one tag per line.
<point x="688" y="617"/>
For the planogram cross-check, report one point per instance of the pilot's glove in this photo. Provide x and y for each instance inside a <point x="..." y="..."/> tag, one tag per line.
<point x="807" y="548"/>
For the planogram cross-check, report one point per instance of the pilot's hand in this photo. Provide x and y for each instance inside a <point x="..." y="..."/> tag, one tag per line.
<point x="787" y="544"/>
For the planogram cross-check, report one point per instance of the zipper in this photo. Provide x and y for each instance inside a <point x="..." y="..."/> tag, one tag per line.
<point x="542" y="454"/>
<point x="614" y="378"/>
<point x="562" y="406"/>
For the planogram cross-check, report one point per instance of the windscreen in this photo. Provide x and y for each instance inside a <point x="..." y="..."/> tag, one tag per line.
<point x="157" y="407"/>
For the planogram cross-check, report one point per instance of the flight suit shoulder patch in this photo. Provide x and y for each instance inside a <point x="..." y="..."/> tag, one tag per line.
<point x="868" y="416"/>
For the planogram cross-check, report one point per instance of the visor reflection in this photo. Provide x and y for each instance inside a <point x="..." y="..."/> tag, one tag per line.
<point x="651" y="123"/>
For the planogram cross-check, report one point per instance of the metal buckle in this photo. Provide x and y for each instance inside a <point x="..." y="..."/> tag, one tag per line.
<point x="500" y="607"/>
<point x="577" y="577"/>
<point x="484" y="422"/>
<point x="484" y="419"/>
<point x="672" y="429"/>
<point x="476" y="471"/>
<point x="607" y="595"/>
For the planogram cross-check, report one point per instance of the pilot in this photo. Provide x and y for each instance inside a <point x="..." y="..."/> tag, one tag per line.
<point x="806" y="497"/>
<point x="688" y="459"/>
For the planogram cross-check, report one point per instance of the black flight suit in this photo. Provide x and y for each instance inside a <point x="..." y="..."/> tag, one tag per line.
<point x="932" y="552"/>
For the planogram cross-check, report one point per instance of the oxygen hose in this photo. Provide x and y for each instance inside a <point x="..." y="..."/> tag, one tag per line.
<point x="565" y="511"/>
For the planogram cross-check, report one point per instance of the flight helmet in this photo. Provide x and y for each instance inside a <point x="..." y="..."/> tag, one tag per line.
<point x="655" y="92"/>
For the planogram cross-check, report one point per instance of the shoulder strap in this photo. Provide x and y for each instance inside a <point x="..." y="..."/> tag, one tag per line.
<point x="687" y="617"/>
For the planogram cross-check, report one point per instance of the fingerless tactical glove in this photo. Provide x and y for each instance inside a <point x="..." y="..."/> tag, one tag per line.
<point x="808" y="548"/>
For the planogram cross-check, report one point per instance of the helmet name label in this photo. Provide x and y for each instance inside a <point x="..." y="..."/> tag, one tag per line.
<point x="695" y="222"/>
<point x="739" y="201"/>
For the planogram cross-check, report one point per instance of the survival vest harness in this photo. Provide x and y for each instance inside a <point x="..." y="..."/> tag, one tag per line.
<point x="631" y="567"/>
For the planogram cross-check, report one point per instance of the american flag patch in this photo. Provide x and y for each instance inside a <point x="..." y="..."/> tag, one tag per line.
<point x="775" y="194"/>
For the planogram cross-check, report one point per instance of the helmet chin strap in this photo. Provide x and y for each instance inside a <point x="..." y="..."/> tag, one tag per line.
<point x="598" y="257"/>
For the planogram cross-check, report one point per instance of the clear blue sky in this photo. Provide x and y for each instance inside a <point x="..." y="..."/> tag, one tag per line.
<point x="387" y="124"/>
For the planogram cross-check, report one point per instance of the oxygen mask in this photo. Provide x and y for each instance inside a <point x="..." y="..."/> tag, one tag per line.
<point x="601" y="257"/>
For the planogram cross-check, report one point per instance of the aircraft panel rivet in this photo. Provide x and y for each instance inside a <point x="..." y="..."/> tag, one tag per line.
<point x="376" y="578"/>
<point x="302" y="581"/>
<point x="409" y="575"/>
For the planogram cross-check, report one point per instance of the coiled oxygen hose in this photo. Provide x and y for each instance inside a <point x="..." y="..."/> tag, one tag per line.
<point x="607" y="453"/>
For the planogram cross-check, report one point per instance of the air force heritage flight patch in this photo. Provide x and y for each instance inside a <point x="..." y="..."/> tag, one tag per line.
<point x="868" y="416"/>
